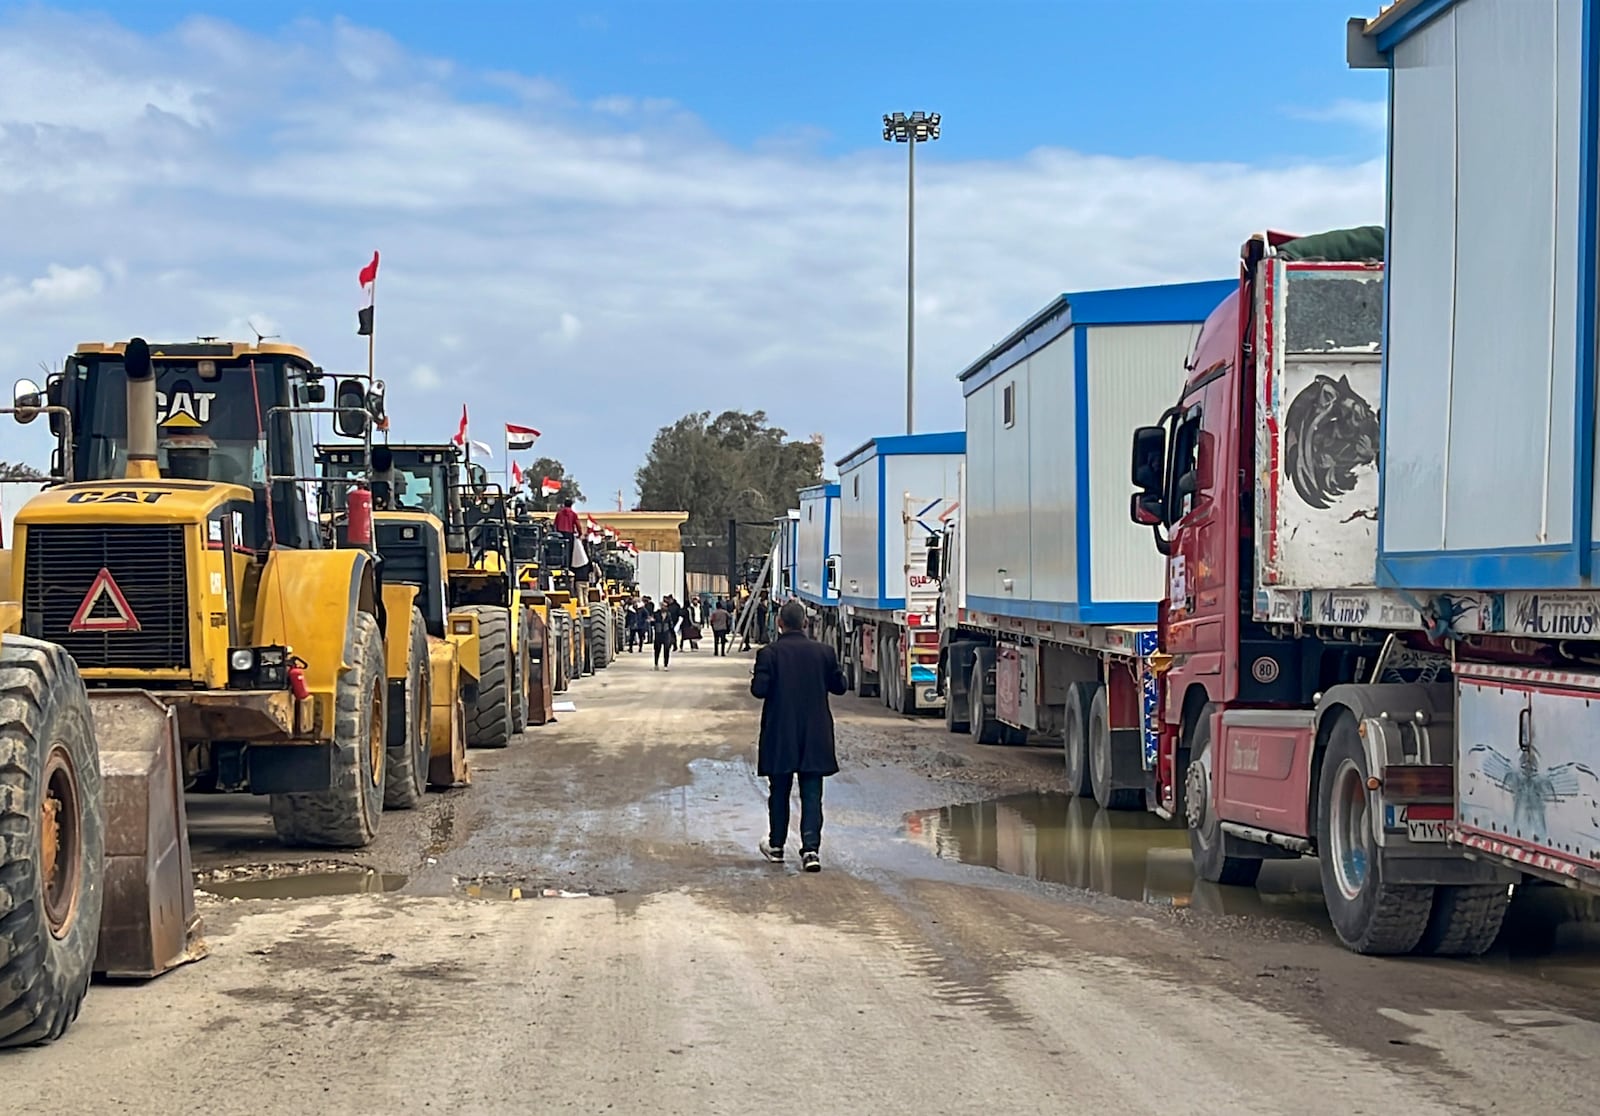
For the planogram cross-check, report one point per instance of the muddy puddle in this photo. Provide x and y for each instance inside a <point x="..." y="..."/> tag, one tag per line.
<point x="289" y="883"/>
<point x="1549" y="933"/>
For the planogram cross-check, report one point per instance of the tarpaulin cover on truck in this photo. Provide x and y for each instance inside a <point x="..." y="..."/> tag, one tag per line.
<point x="1364" y="244"/>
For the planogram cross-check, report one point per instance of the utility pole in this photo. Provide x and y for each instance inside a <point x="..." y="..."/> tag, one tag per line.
<point x="911" y="129"/>
<point x="733" y="557"/>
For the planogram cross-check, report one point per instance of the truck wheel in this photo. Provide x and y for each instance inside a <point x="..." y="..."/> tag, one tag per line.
<point x="489" y="717"/>
<point x="345" y="816"/>
<point x="955" y="711"/>
<point x="1102" y="766"/>
<point x="1466" y="919"/>
<point x="405" y="778"/>
<point x="983" y="726"/>
<point x="1369" y="915"/>
<point x="1075" y="738"/>
<point x="52" y="854"/>
<point x="558" y="652"/>
<point x="1205" y="828"/>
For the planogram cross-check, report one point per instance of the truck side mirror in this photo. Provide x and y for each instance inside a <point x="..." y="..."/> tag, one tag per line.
<point x="350" y="415"/>
<point x="26" y="399"/>
<point x="933" y="558"/>
<point x="1149" y="458"/>
<point x="1145" y="509"/>
<point x="831" y="568"/>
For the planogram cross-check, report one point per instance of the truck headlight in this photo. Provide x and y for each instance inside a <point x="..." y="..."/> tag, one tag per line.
<point x="258" y="668"/>
<point x="241" y="658"/>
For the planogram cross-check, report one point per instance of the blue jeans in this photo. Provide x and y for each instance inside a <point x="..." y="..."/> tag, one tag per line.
<point x="810" y="810"/>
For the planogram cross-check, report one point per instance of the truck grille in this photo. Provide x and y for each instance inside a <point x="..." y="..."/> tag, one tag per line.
<point x="147" y="564"/>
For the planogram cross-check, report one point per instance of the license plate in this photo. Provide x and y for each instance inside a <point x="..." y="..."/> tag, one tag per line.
<point x="1425" y="830"/>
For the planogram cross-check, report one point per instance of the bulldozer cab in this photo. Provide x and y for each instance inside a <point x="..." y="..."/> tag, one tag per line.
<point x="403" y="478"/>
<point x="226" y="412"/>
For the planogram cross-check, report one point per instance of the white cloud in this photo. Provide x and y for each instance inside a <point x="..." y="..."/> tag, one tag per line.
<point x="56" y="289"/>
<point x="232" y="177"/>
<point x="1372" y="116"/>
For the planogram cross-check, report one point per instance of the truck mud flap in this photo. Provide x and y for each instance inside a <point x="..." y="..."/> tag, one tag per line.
<point x="149" y="923"/>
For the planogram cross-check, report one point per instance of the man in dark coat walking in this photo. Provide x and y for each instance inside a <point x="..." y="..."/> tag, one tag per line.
<point x="793" y="676"/>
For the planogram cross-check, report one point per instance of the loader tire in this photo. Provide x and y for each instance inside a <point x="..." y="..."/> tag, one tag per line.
<point x="489" y="716"/>
<point x="405" y="777"/>
<point x="345" y="816"/>
<point x="52" y="817"/>
<point x="602" y="639"/>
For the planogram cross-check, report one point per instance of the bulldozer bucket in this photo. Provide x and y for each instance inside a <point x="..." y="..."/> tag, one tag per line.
<point x="149" y="924"/>
<point x="541" y="670"/>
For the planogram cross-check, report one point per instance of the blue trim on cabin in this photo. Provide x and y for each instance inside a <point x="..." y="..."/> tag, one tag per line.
<point x="828" y="498"/>
<point x="1068" y="612"/>
<point x="1583" y="442"/>
<point x="1383" y="335"/>
<point x="947" y="441"/>
<point x="1524" y="567"/>
<point x="1080" y="415"/>
<point x="819" y="491"/>
<point x="1168" y="303"/>
<point x="1398" y="24"/>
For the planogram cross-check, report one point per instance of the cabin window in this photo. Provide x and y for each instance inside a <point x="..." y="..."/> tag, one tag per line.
<point x="1008" y="404"/>
<point x="855" y="486"/>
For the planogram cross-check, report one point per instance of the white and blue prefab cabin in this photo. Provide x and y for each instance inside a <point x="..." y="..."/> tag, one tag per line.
<point x="817" y="542"/>
<point x="1049" y="409"/>
<point x="1488" y="408"/>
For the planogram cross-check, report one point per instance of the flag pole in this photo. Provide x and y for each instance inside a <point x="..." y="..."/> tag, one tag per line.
<point x="373" y="332"/>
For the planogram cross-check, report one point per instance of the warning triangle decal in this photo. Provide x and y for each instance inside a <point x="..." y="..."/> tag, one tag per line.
<point x="104" y="608"/>
<point x="179" y="418"/>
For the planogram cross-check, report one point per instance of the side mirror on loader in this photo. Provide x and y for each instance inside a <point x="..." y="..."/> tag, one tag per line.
<point x="350" y="418"/>
<point x="26" y="399"/>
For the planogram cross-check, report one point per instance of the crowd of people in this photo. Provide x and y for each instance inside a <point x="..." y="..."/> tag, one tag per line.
<point x="672" y="625"/>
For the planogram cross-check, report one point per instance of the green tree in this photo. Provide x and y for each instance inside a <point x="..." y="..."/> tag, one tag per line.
<point x="733" y="466"/>
<point x="533" y="476"/>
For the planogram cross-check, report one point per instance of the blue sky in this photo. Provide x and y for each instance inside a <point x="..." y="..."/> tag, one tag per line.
<point x="671" y="206"/>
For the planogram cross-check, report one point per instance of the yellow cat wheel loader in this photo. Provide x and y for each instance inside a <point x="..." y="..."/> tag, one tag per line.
<point x="432" y="671"/>
<point x="170" y="622"/>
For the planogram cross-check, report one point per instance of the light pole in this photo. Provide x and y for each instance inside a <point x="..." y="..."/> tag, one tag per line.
<point x="911" y="129"/>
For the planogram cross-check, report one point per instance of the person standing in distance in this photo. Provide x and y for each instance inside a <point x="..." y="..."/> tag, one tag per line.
<point x="793" y="677"/>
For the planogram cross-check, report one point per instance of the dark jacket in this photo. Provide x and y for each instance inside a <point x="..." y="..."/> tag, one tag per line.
<point x="794" y="676"/>
<point x="661" y="625"/>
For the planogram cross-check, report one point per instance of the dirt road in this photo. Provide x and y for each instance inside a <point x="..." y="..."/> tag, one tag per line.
<point x="587" y="928"/>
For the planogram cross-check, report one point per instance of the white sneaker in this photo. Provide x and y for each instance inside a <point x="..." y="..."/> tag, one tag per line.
<point x="773" y="854"/>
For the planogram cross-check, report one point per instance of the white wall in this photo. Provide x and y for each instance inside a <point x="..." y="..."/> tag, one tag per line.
<point x="1052" y="478"/>
<point x="1135" y="373"/>
<point x="927" y="477"/>
<point x="858" y="530"/>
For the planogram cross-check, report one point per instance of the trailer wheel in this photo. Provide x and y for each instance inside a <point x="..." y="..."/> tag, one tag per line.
<point x="1466" y="919"/>
<point x="1075" y="738"/>
<point x="1205" y="828"/>
<point x="489" y="715"/>
<point x="52" y="854"/>
<point x="1369" y="915"/>
<point x="1102" y="766"/>
<point x="345" y="816"/>
<point x="405" y="777"/>
<point x="983" y="726"/>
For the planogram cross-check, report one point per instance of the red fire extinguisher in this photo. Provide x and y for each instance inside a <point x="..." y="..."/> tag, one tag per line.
<point x="360" y="519"/>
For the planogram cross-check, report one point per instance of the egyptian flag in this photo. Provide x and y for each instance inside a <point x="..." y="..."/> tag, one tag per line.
<point x="516" y="473"/>
<point x="461" y="432"/>
<point x="548" y="487"/>
<point x="369" y="280"/>
<point x="520" y="437"/>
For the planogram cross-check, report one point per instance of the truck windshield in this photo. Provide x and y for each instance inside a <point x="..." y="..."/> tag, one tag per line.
<point x="205" y="429"/>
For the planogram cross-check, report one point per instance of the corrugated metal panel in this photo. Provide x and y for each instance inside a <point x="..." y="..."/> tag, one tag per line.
<point x="1420" y="276"/>
<point x="1481" y="362"/>
<point x="1053" y="475"/>
<point x="981" y="546"/>
<point x="1505" y="266"/>
<point x="1134" y="373"/>
<point x="927" y="478"/>
<point x="1009" y="518"/>
<point x="858" y="504"/>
